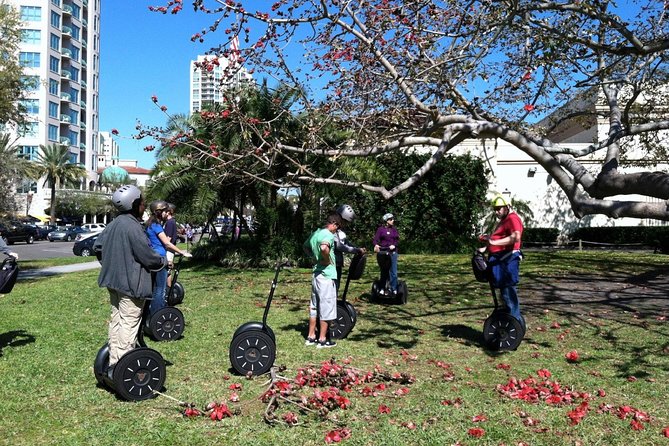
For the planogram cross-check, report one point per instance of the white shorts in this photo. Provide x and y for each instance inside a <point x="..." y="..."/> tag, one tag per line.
<point x="324" y="289"/>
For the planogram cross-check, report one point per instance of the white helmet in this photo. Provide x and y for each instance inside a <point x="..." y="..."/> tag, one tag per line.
<point x="346" y="212"/>
<point x="125" y="196"/>
<point x="387" y="216"/>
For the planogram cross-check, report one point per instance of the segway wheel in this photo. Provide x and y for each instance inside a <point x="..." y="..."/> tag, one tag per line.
<point x="342" y="326"/>
<point x="177" y="294"/>
<point x="252" y="351"/>
<point x="352" y="312"/>
<point x="101" y="363"/>
<point x="138" y="373"/>
<point x="375" y="290"/>
<point x="167" y="324"/>
<point x="502" y="332"/>
<point x="402" y="293"/>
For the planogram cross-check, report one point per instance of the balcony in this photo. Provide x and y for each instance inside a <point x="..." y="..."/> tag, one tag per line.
<point x="84" y="22"/>
<point x="82" y="146"/>
<point x="66" y="52"/>
<point x="65" y="119"/>
<point x="83" y="84"/>
<point x="82" y="125"/>
<point x="67" y="9"/>
<point x="65" y="97"/>
<point x="64" y="141"/>
<point x="67" y="31"/>
<point x="82" y="104"/>
<point x="84" y="44"/>
<point x="66" y="74"/>
<point x="84" y="63"/>
<point x="85" y="3"/>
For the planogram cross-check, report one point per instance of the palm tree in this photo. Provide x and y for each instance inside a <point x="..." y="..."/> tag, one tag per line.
<point x="54" y="163"/>
<point x="12" y="170"/>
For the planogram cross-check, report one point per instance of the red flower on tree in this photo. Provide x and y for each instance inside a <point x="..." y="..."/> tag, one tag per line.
<point x="114" y="132"/>
<point x="154" y="98"/>
<point x="529" y="107"/>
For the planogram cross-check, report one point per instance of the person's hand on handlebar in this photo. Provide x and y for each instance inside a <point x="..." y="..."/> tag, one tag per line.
<point x="15" y="255"/>
<point x="391" y="247"/>
<point x="187" y="254"/>
<point x="377" y="248"/>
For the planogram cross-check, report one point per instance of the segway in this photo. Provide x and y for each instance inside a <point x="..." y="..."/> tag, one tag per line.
<point x="501" y="331"/>
<point x="253" y="346"/>
<point x="176" y="292"/>
<point x="136" y="374"/>
<point x="346" y="314"/>
<point x="383" y="289"/>
<point x="167" y="324"/>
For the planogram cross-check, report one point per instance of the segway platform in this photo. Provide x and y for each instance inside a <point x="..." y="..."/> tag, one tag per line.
<point x="381" y="291"/>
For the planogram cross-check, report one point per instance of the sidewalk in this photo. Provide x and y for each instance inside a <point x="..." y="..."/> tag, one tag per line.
<point x="55" y="270"/>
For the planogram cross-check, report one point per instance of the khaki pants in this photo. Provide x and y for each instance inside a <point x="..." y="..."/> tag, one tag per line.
<point x="126" y="315"/>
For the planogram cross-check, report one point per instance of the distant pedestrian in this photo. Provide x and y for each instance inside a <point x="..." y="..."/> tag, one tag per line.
<point x="387" y="238"/>
<point x="320" y="247"/>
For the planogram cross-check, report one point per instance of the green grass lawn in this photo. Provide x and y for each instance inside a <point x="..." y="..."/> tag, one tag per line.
<point x="459" y="392"/>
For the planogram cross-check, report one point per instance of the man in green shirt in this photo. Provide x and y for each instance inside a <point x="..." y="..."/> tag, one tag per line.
<point x="320" y="247"/>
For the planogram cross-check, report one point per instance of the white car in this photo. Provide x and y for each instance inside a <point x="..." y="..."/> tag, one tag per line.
<point x="94" y="227"/>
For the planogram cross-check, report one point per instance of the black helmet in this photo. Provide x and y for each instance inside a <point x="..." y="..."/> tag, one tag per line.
<point x="346" y="212"/>
<point x="125" y="196"/>
<point x="158" y="205"/>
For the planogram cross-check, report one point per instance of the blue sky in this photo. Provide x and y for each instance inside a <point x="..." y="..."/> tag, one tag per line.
<point x="144" y="54"/>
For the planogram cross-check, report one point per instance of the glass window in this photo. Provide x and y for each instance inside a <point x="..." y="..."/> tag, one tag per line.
<point x="53" y="110"/>
<point x="75" y="52"/>
<point x="30" y="83"/>
<point x="31" y="106"/>
<point x="56" y="2"/>
<point x="74" y="95"/>
<point x="75" y="74"/>
<point x="74" y="116"/>
<point x="53" y="132"/>
<point x="75" y="32"/>
<point x="54" y="42"/>
<point x="31" y="13"/>
<point x="73" y="158"/>
<point x="55" y="19"/>
<point x="54" y="64"/>
<point x="28" y="152"/>
<point x="30" y="36"/>
<point x="76" y="11"/>
<point x="54" y="86"/>
<point x="74" y="138"/>
<point x="29" y="129"/>
<point x="28" y="59"/>
<point x="27" y="185"/>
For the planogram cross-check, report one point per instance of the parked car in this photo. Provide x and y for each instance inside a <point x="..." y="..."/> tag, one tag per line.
<point x="14" y="231"/>
<point x="66" y="233"/>
<point x="84" y="247"/>
<point x="94" y="227"/>
<point x="41" y="231"/>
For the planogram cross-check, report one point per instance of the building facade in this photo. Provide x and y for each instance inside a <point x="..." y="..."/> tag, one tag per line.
<point x="207" y="87"/>
<point x="60" y="53"/>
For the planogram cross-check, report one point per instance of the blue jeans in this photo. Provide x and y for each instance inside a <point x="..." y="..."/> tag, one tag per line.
<point x="506" y="275"/>
<point x="159" y="287"/>
<point x="392" y="272"/>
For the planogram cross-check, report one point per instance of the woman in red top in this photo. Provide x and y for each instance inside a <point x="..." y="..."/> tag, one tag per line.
<point x="505" y="256"/>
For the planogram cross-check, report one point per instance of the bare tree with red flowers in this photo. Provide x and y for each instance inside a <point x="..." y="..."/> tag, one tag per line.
<point x="394" y="74"/>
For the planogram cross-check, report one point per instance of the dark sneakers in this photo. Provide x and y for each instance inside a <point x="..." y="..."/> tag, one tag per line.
<point x="311" y="341"/>
<point x="326" y="344"/>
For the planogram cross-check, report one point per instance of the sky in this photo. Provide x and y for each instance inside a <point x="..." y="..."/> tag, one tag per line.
<point x="143" y="54"/>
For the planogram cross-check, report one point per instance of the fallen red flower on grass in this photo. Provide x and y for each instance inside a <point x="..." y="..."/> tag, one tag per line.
<point x="479" y="418"/>
<point x="384" y="409"/>
<point x="665" y="431"/>
<point x="572" y="356"/>
<point x="476" y="432"/>
<point x="337" y="435"/>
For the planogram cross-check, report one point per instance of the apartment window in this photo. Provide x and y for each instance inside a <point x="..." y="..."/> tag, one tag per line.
<point x="56" y="2"/>
<point x="54" y="42"/>
<point x="55" y="19"/>
<point x="29" y="60"/>
<point x="31" y="106"/>
<point x="75" y="52"/>
<point x="53" y="110"/>
<point x="73" y="158"/>
<point x="74" y="94"/>
<point x="54" y="64"/>
<point x="54" y="86"/>
<point x="76" y="11"/>
<point x="27" y="186"/>
<point x="53" y="132"/>
<point x="74" y="138"/>
<point x="74" y="116"/>
<point x="30" y="83"/>
<point x="31" y="13"/>
<point x="75" y="32"/>
<point x="29" y="129"/>
<point x="28" y="152"/>
<point x="30" y="36"/>
<point x="75" y="74"/>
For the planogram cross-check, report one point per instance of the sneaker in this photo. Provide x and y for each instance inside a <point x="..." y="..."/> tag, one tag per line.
<point x="310" y="341"/>
<point x="395" y="292"/>
<point x="326" y="344"/>
<point x="382" y="292"/>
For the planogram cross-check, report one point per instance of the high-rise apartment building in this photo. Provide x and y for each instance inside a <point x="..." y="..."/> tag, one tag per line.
<point x="207" y="87"/>
<point x="60" y="53"/>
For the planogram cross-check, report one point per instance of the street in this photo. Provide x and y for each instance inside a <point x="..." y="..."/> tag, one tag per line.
<point x="43" y="249"/>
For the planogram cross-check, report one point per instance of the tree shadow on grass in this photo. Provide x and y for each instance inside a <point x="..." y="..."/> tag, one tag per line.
<point x="16" y="338"/>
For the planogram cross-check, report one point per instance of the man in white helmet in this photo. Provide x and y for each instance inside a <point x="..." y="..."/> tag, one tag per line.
<point x="342" y="243"/>
<point x="505" y="255"/>
<point x="127" y="262"/>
